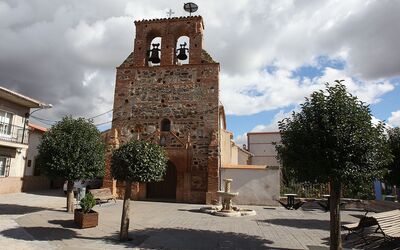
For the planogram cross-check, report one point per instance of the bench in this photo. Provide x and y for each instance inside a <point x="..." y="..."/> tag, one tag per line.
<point x="102" y="194"/>
<point x="358" y="227"/>
<point x="388" y="223"/>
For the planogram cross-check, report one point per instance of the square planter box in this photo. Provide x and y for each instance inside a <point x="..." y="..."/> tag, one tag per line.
<point x="90" y="219"/>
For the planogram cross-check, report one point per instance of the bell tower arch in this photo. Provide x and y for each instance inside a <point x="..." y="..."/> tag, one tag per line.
<point x="169" y="30"/>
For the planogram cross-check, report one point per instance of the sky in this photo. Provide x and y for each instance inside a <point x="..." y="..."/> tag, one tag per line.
<point x="272" y="54"/>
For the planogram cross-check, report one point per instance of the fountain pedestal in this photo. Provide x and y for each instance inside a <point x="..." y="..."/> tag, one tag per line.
<point x="227" y="209"/>
<point x="227" y="196"/>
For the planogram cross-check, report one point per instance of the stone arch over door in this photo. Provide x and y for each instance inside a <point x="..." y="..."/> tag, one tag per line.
<point x="166" y="189"/>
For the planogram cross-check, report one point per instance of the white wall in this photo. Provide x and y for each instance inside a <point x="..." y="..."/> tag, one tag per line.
<point x="226" y="148"/>
<point x="243" y="157"/>
<point x="17" y="163"/>
<point x="34" y="140"/>
<point x="230" y="152"/>
<point x="255" y="186"/>
<point x="262" y="147"/>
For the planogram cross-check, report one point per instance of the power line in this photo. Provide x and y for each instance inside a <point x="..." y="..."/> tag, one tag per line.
<point x="104" y="123"/>
<point x="42" y="119"/>
<point x="47" y="120"/>
<point x="49" y="124"/>
<point x="100" y="114"/>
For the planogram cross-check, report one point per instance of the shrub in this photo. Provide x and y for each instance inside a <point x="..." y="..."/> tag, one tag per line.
<point x="87" y="203"/>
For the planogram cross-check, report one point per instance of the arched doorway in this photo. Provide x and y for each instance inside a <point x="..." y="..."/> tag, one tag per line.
<point x="166" y="189"/>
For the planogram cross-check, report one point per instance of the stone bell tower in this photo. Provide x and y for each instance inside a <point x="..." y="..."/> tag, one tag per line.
<point x="161" y="96"/>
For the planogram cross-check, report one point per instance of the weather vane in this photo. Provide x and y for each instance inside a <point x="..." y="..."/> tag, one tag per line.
<point x="190" y="7"/>
<point x="170" y="13"/>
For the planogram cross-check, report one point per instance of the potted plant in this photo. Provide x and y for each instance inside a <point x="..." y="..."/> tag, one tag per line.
<point x="86" y="217"/>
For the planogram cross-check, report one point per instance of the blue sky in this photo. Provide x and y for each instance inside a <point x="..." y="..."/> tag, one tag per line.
<point x="381" y="107"/>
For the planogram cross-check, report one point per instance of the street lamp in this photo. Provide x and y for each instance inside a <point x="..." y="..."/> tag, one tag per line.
<point x="27" y="115"/>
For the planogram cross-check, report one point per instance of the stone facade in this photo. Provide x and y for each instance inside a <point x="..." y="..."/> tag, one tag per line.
<point x="171" y="104"/>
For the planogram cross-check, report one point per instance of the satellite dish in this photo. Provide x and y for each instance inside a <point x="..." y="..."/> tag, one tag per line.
<point x="190" y="7"/>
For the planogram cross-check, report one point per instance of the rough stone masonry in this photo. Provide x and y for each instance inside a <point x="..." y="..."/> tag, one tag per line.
<point x="172" y="104"/>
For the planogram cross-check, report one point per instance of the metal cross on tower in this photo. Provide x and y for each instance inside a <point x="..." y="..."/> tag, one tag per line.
<point x="170" y="13"/>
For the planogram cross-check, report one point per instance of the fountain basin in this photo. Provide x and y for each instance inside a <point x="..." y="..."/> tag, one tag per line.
<point x="227" y="194"/>
<point x="227" y="213"/>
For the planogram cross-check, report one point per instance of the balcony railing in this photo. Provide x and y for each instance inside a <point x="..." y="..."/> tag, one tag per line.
<point x="12" y="133"/>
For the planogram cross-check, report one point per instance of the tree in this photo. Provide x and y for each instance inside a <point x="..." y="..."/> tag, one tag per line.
<point x="136" y="161"/>
<point x="393" y="176"/>
<point x="72" y="149"/>
<point x="331" y="139"/>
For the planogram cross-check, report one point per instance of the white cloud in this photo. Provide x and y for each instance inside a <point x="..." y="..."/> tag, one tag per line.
<point x="260" y="91"/>
<point x="48" y="47"/>
<point x="394" y="119"/>
<point x="273" y="125"/>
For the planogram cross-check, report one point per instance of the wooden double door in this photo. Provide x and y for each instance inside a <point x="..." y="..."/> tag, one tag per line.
<point x="166" y="189"/>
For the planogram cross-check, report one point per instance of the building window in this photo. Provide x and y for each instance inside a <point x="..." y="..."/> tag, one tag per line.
<point x="3" y="164"/>
<point x="165" y="125"/>
<point x="5" y="122"/>
<point x="29" y="163"/>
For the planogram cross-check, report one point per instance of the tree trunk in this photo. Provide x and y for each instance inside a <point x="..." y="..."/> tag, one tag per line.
<point x="335" y="194"/>
<point x="123" y="234"/>
<point x="70" y="196"/>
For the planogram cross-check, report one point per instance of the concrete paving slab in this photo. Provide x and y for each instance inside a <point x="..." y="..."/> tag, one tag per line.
<point x="39" y="221"/>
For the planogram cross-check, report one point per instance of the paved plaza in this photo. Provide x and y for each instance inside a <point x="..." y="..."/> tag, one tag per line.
<point x="39" y="221"/>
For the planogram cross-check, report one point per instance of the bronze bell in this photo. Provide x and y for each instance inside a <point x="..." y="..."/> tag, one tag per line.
<point x="154" y="53"/>
<point x="182" y="52"/>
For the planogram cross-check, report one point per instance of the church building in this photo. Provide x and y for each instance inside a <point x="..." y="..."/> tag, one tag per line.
<point x="167" y="92"/>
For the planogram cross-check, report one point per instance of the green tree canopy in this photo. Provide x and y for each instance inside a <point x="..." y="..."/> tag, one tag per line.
<point x="393" y="176"/>
<point x="72" y="149"/>
<point x="138" y="161"/>
<point x="332" y="137"/>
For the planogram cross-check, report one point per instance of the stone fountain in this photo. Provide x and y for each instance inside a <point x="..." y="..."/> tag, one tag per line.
<point x="227" y="209"/>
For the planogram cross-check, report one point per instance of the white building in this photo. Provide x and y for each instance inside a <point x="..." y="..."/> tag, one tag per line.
<point x="256" y="181"/>
<point x="261" y="146"/>
<point x="14" y="138"/>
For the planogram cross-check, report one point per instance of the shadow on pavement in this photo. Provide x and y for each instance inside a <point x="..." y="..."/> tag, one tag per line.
<point x="9" y="209"/>
<point x="191" y="210"/>
<point x="48" y="192"/>
<point x="181" y="238"/>
<point x="153" y="238"/>
<point x="40" y="233"/>
<point x="64" y="223"/>
<point x="299" y="223"/>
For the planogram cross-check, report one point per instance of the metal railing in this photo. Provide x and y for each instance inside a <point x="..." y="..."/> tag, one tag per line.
<point x="305" y="190"/>
<point x="12" y="133"/>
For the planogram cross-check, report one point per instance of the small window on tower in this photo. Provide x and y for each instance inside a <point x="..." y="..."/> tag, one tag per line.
<point x="165" y="125"/>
